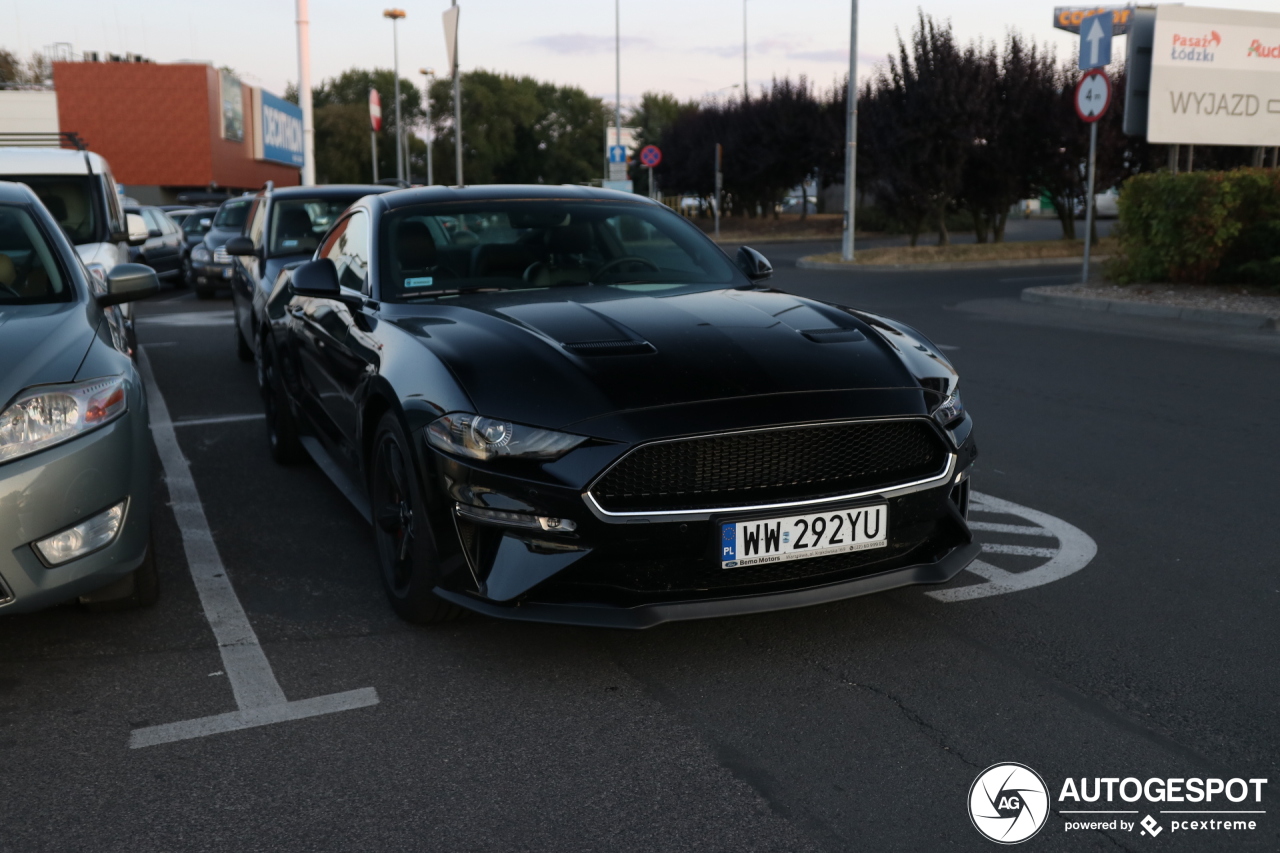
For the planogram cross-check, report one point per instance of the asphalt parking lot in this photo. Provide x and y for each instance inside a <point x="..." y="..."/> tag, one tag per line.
<point x="1122" y="623"/>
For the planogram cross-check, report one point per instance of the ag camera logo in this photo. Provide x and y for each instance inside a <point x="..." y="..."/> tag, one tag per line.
<point x="1008" y="803"/>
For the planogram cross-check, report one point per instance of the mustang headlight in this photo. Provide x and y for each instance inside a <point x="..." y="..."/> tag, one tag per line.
<point x="478" y="437"/>
<point x="950" y="409"/>
<point x="51" y="414"/>
<point x="200" y="255"/>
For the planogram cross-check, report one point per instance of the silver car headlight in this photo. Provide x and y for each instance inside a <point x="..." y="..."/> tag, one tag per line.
<point x="200" y="254"/>
<point x="483" y="438"/>
<point x="951" y="409"/>
<point x="46" y="415"/>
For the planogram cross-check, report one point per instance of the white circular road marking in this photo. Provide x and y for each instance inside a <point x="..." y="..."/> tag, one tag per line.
<point x="1074" y="549"/>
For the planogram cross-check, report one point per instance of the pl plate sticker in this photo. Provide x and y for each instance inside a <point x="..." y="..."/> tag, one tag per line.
<point x="420" y="281"/>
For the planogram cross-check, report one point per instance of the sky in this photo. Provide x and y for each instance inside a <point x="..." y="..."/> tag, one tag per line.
<point x="691" y="48"/>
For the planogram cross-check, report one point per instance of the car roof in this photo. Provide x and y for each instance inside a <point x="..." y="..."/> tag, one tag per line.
<point x="15" y="193"/>
<point x="48" y="161"/>
<point x="507" y="192"/>
<point x="329" y="191"/>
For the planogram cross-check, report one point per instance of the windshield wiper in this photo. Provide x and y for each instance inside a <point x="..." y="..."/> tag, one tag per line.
<point x="454" y="291"/>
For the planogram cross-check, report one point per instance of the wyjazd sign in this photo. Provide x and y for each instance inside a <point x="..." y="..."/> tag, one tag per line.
<point x="1215" y="77"/>
<point x="278" y="136"/>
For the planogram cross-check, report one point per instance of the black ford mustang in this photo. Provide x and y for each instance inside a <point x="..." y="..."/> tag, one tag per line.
<point x="569" y="405"/>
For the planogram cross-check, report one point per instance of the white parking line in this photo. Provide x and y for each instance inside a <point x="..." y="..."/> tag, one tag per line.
<point x="258" y="696"/>
<point x="1075" y="551"/>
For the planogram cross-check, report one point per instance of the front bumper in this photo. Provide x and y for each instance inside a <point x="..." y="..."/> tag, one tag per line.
<point x="211" y="274"/>
<point x="54" y="489"/>
<point x="635" y="572"/>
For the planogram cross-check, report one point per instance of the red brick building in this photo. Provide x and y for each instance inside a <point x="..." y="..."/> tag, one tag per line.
<point x="168" y="130"/>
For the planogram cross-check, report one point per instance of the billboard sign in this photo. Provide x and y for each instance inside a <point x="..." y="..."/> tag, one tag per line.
<point x="279" y="131"/>
<point x="1070" y="18"/>
<point x="1215" y="77"/>
<point x="232" y="98"/>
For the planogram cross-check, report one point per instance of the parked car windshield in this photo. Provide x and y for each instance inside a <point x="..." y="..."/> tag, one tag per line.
<point x="232" y="215"/>
<point x="70" y="199"/>
<point x="298" y="224"/>
<point x="552" y="243"/>
<point x="28" y="272"/>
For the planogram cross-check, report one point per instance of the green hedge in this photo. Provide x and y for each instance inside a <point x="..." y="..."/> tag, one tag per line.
<point x="1202" y="227"/>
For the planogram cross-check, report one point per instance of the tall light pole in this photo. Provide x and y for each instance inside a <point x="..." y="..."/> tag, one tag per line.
<point x="429" y="74"/>
<point x="395" y="15"/>
<point x="451" y="46"/>
<point x="617" y="72"/>
<point x="304" y="96"/>
<point x="851" y="141"/>
<point x="745" y="89"/>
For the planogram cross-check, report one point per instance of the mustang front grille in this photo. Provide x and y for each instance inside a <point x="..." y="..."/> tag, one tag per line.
<point x="770" y="466"/>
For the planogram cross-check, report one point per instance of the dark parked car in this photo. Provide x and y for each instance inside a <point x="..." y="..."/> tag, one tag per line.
<point x="564" y="404"/>
<point x="210" y="264"/>
<point x="164" y="246"/>
<point x="194" y="226"/>
<point x="284" y="226"/>
<point x="75" y="448"/>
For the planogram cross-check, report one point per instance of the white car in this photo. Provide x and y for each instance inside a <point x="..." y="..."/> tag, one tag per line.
<point x="77" y="188"/>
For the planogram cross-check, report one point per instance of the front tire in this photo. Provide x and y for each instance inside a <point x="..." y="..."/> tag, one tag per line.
<point x="407" y="553"/>
<point x="243" y="351"/>
<point x="282" y="430"/>
<point x="139" y="588"/>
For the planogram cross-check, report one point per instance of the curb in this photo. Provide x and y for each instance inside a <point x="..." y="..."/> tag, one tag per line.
<point x="1240" y="319"/>
<point x="806" y="264"/>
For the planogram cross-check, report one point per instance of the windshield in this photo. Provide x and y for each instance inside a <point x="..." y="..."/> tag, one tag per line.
<point x="555" y="243"/>
<point x="28" y="273"/>
<point x="197" y="224"/>
<point x="297" y="224"/>
<point x="232" y="215"/>
<point x="70" y="199"/>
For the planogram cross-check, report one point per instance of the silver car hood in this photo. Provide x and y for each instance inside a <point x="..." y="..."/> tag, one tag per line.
<point x="41" y="345"/>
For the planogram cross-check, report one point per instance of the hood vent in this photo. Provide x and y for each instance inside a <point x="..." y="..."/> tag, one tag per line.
<point x="834" y="336"/>
<point x="620" y="347"/>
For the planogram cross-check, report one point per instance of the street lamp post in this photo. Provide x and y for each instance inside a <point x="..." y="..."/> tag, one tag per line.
<point x="617" y="72"/>
<point x="429" y="74"/>
<point x="746" y="90"/>
<point x="395" y="15"/>
<point x="851" y="141"/>
<point x="304" y="95"/>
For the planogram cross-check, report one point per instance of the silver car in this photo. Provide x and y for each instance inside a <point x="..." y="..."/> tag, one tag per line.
<point x="75" y="451"/>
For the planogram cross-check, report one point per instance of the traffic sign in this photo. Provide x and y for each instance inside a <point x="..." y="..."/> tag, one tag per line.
<point x="1093" y="95"/>
<point x="1095" y="41"/>
<point x="651" y="155"/>
<point x="617" y="154"/>
<point x="375" y="110"/>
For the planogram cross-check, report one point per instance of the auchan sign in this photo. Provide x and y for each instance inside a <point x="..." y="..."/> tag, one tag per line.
<point x="1069" y="18"/>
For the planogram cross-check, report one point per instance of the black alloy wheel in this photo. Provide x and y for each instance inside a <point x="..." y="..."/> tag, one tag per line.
<point x="407" y="552"/>
<point x="282" y="430"/>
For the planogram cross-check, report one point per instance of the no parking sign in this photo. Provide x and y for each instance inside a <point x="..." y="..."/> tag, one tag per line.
<point x="650" y="155"/>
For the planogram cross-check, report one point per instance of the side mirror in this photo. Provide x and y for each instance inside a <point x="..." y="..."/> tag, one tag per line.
<point x="138" y="231"/>
<point x="155" y="232"/>
<point x="316" y="278"/>
<point x="127" y="282"/>
<point x="240" y="246"/>
<point x="753" y="264"/>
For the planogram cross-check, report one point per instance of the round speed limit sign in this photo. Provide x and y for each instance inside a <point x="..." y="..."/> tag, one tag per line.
<point x="1093" y="95"/>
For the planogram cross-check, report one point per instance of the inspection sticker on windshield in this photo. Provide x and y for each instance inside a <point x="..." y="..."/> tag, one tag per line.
<point x="420" y="281"/>
<point x="750" y="543"/>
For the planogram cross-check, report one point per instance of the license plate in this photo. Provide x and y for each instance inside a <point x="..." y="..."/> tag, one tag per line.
<point x="226" y="272"/>
<point x="797" y="537"/>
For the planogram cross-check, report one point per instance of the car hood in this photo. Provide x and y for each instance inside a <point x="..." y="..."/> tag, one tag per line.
<point x="41" y="344"/>
<point x="215" y="238"/>
<point x="554" y="359"/>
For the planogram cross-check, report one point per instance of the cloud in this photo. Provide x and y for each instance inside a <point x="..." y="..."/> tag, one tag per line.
<point x="840" y="55"/>
<point x="585" y="43"/>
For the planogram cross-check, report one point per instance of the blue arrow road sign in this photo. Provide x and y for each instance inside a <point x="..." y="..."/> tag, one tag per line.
<point x="1095" y="41"/>
<point x="617" y="153"/>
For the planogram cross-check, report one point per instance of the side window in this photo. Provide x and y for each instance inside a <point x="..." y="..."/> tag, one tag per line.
<point x="348" y="247"/>
<point x="152" y="218"/>
<point x="115" y="214"/>
<point x="257" y="222"/>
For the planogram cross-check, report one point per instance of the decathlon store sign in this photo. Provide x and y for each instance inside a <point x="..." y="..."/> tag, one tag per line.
<point x="278" y="131"/>
<point x="1215" y="77"/>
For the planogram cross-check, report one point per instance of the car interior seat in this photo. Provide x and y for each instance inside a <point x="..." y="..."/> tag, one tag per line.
<point x="295" y="232"/>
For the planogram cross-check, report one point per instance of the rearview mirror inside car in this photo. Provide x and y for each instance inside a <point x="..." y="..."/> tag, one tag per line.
<point x="138" y="230"/>
<point x="127" y="282"/>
